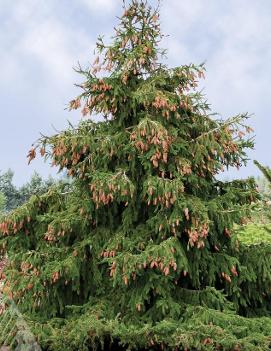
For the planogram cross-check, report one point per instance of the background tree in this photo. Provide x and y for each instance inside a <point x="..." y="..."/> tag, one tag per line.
<point x="264" y="185"/>
<point x="36" y="186"/>
<point x="16" y="196"/>
<point x="2" y="202"/>
<point x="266" y="171"/>
<point x="137" y="253"/>
<point x="8" y="189"/>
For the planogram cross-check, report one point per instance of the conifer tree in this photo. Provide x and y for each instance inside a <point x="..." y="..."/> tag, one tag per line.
<point x="137" y="252"/>
<point x="2" y="201"/>
<point x="266" y="171"/>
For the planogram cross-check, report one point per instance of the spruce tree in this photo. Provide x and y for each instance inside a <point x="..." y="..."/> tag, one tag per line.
<point x="137" y="253"/>
<point x="2" y="201"/>
<point x="266" y="171"/>
<point x="265" y="192"/>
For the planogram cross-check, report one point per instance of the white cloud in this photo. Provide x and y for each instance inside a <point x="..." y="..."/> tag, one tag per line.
<point x="36" y="34"/>
<point x="102" y="6"/>
<point x="234" y="38"/>
<point x="238" y="64"/>
<point x="56" y="48"/>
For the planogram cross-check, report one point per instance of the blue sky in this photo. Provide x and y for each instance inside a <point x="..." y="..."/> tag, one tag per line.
<point x="41" y="40"/>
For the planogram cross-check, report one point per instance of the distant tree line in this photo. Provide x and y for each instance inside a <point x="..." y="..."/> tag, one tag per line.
<point x="12" y="196"/>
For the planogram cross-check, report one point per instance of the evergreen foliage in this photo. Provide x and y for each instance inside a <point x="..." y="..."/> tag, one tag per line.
<point x="9" y="190"/>
<point x="265" y="212"/>
<point x="254" y="234"/>
<point x="265" y="170"/>
<point x="137" y="253"/>
<point x="14" y="196"/>
<point x="264" y="186"/>
<point x="2" y="202"/>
